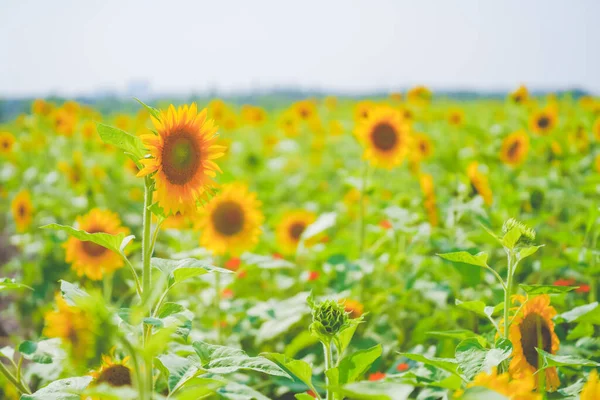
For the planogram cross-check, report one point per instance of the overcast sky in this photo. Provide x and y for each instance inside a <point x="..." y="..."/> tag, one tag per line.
<point x="78" y="47"/>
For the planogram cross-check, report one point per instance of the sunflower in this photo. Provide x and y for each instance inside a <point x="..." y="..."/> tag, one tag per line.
<point x="230" y="222"/>
<point x="362" y="110"/>
<point x="579" y="139"/>
<point x="520" y="96"/>
<point x="531" y="325"/>
<point x="543" y="121"/>
<point x="74" y="172"/>
<point x="22" y="210"/>
<point x="336" y="128"/>
<point x="41" y="107"/>
<point x="426" y="183"/>
<point x="353" y="307"/>
<point x="253" y="115"/>
<point x="396" y="96"/>
<point x="88" y="258"/>
<point x="456" y="117"/>
<point x="514" y="387"/>
<point x="7" y="140"/>
<point x="596" y="128"/>
<point x="515" y="148"/>
<point x="182" y="157"/>
<point x="288" y="123"/>
<point x="64" y="121"/>
<point x="291" y="227"/>
<point x="422" y="146"/>
<point x="305" y="110"/>
<point x="113" y="373"/>
<point x="73" y="326"/>
<point x="419" y="95"/>
<point x="385" y="137"/>
<point x="591" y="390"/>
<point x="479" y="183"/>
<point x="89" y="130"/>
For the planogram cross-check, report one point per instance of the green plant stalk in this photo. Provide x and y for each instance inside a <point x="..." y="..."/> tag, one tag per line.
<point x="541" y="374"/>
<point x="328" y="366"/>
<point x="146" y="255"/>
<point x="11" y="378"/>
<point x="107" y="285"/>
<point x="136" y="366"/>
<point x="362" y="226"/>
<point x="217" y="305"/>
<point x="507" y="295"/>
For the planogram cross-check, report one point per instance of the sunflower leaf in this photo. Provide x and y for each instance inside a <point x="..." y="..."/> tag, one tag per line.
<point x="181" y="270"/>
<point x="555" y="360"/>
<point x="131" y="145"/>
<point x="63" y="389"/>
<point x="298" y="368"/>
<point x="112" y="242"/>
<point x="153" y="111"/>
<point x="546" y="289"/>
<point x="479" y="259"/>
<point x="473" y="358"/>
<point x="9" y="283"/>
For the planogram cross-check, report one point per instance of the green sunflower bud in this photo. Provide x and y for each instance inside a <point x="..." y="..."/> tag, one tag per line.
<point x="329" y="319"/>
<point x="527" y="234"/>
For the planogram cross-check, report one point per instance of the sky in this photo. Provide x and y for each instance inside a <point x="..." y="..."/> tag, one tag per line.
<point x="75" y="47"/>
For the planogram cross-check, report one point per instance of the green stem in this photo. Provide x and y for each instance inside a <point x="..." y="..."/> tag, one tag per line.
<point x="136" y="366"/>
<point x="107" y="284"/>
<point x="11" y="378"/>
<point x="138" y="286"/>
<point x="540" y="345"/>
<point x="507" y="294"/>
<point x="146" y="290"/>
<point x="328" y="366"/>
<point x="362" y="225"/>
<point x="217" y="305"/>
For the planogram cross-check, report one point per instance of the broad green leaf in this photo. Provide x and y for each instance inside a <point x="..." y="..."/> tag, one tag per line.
<point x="546" y="289"/>
<point x="72" y="293"/>
<point x="238" y="391"/>
<point x="324" y="222"/>
<point x="153" y="111"/>
<point x="180" y="270"/>
<point x="224" y="360"/>
<point x="473" y="358"/>
<point x="105" y="391"/>
<point x="41" y="352"/>
<point x="297" y="368"/>
<point x="168" y="309"/>
<point x="582" y="329"/>
<point x="197" y="388"/>
<point x="356" y="364"/>
<point x="460" y="334"/>
<point x="579" y="314"/>
<point x="344" y="337"/>
<point x="180" y="370"/>
<point x="265" y="262"/>
<point x="511" y="238"/>
<point x="131" y="145"/>
<point x="447" y="364"/>
<point x="527" y="251"/>
<point x="479" y="307"/>
<point x="377" y="391"/>
<point x="63" y="389"/>
<point x="112" y="242"/>
<point x="555" y="360"/>
<point x="480" y="393"/>
<point x="9" y="283"/>
<point x="479" y="259"/>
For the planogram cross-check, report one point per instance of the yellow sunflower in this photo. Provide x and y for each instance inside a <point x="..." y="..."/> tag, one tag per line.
<point x="596" y="128"/>
<point x="64" y="121"/>
<point x="354" y="307"/>
<point x="532" y="324"/>
<point x="362" y="109"/>
<point x="479" y="183"/>
<point x="288" y="123"/>
<point x="385" y="137"/>
<point x="419" y="95"/>
<point x="579" y="139"/>
<point x="422" y="146"/>
<point x="253" y="115"/>
<point x="514" y="387"/>
<point x="182" y="157"/>
<point x="73" y="326"/>
<point x="113" y="373"/>
<point x="22" y="210"/>
<point x="41" y="107"/>
<point x="230" y="222"/>
<point x="456" y="117"/>
<point x="7" y="140"/>
<point x="305" y="110"/>
<point x="427" y="187"/>
<point x="515" y="148"/>
<point x="336" y="128"/>
<point x="521" y="95"/>
<point x="88" y="258"/>
<point x="543" y="121"/>
<point x="75" y="172"/>
<point x="291" y="227"/>
<point x="591" y="390"/>
<point x="89" y="130"/>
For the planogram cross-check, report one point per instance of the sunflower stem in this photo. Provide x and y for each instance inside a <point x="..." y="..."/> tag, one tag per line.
<point x="146" y="255"/>
<point x="11" y="378"/>
<point x="507" y="294"/>
<point x="136" y="366"/>
<point x="328" y="365"/>
<point x="363" y="190"/>
<point x="218" y="305"/>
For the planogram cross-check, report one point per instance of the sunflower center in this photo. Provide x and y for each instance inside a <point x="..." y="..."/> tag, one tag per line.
<point x="116" y="375"/>
<point x="180" y="158"/>
<point x="22" y="210"/>
<point x="91" y="248"/>
<point x="531" y="325"/>
<point x="5" y="144"/>
<point x="228" y="218"/>
<point x="296" y="230"/>
<point x="513" y="149"/>
<point x="384" y="137"/>
<point x="543" y="122"/>
<point x="423" y="147"/>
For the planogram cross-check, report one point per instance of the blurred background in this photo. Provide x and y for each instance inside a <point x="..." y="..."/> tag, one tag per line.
<point x="112" y="48"/>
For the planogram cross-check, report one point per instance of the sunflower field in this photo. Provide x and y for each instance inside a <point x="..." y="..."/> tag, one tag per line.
<point x="409" y="246"/>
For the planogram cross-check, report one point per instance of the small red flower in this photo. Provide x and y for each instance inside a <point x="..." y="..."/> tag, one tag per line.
<point x="402" y="367"/>
<point x="227" y="293"/>
<point x="583" y="288"/>
<point x="277" y="256"/>
<point x="313" y="276"/>
<point x="385" y="224"/>
<point x="311" y="393"/>
<point x="376" y="376"/>
<point x="564" y="282"/>
<point x="233" y="263"/>
<point x="241" y="274"/>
